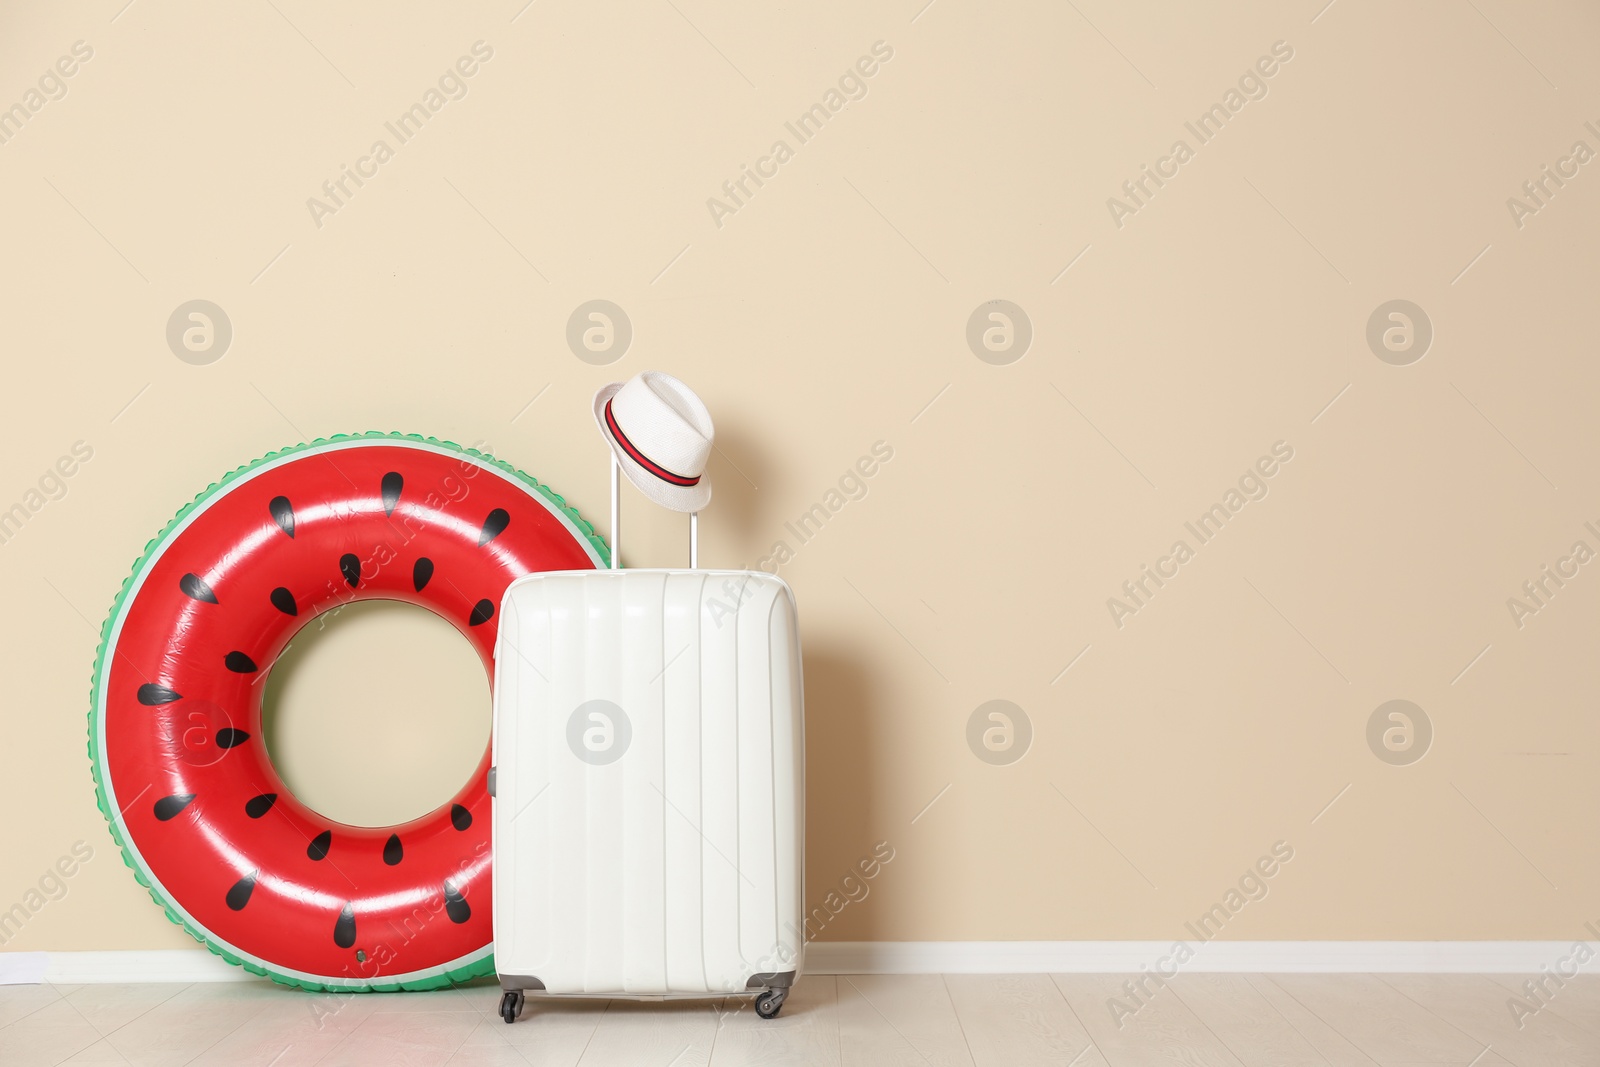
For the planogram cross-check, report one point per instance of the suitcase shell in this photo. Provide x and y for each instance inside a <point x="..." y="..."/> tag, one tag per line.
<point x="649" y="784"/>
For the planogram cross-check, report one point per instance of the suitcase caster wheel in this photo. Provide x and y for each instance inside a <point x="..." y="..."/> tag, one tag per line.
<point x="770" y="1003"/>
<point x="511" y="1005"/>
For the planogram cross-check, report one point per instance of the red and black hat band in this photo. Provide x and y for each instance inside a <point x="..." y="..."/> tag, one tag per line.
<point x="641" y="459"/>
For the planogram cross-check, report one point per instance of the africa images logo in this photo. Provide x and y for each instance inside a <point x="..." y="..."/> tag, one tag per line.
<point x="850" y="88"/>
<point x="1252" y="85"/>
<point x="1252" y="485"/>
<point x="338" y="191"/>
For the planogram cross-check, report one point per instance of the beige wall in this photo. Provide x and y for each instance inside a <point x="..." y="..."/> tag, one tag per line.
<point x="830" y="312"/>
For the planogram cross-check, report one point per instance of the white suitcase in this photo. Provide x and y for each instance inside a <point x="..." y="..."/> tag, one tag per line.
<point x="648" y="780"/>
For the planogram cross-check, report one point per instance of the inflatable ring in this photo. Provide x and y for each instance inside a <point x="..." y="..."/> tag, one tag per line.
<point x="180" y="769"/>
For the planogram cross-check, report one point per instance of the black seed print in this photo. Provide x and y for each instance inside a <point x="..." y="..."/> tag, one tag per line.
<point x="455" y="905"/>
<point x="167" y="807"/>
<point x="350" y="567"/>
<point x="239" y="895"/>
<point x="239" y="663"/>
<point x="460" y="817"/>
<point x="393" y="853"/>
<point x="228" y="737"/>
<point x="421" y="571"/>
<point x="344" y="931"/>
<point x="283" y="600"/>
<point x="282" y="514"/>
<point x="482" y="612"/>
<point x="318" y="849"/>
<point x="196" y="589"/>
<point x="493" y="526"/>
<point x="151" y="694"/>
<point x="392" y="483"/>
<point x="256" y="807"/>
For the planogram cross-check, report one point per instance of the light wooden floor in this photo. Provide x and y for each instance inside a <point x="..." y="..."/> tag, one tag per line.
<point x="1008" y="1021"/>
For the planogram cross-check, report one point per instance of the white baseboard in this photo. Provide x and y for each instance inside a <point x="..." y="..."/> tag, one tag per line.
<point x="969" y="957"/>
<point x="147" y="965"/>
<point x="1118" y="957"/>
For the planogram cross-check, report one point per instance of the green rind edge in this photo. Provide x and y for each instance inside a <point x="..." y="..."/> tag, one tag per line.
<point x="466" y="973"/>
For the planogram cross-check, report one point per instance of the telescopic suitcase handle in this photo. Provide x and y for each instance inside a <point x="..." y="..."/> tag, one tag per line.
<point x="616" y="530"/>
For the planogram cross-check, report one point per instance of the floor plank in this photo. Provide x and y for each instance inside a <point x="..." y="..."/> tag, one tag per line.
<point x="108" y="1008"/>
<point x="473" y="1000"/>
<point x="806" y="1031"/>
<point x="100" y="1054"/>
<point x="403" y="1039"/>
<point x="549" y="1033"/>
<point x="1332" y="1046"/>
<point x="1251" y="1028"/>
<point x="184" y="1025"/>
<point x="1577" y="1000"/>
<point x="899" y="1019"/>
<point x="486" y="1056"/>
<point x="675" y="1033"/>
<point x="292" y="1029"/>
<point x="1478" y="1007"/>
<point x="1161" y="1032"/>
<point x="1019" y="1020"/>
<point x="17" y="1001"/>
<point x="1372" y="1016"/>
<point x="45" y="1037"/>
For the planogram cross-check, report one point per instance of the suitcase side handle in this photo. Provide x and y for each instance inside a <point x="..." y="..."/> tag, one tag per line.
<point x="616" y="530"/>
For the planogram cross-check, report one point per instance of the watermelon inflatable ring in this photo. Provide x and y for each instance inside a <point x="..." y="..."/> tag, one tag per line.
<point x="180" y="769"/>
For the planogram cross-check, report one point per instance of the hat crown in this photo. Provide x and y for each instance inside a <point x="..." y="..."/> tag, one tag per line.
<point x="665" y="421"/>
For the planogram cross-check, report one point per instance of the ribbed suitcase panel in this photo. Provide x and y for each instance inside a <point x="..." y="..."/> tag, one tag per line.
<point x="674" y="868"/>
<point x="758" y="915"/>
<point x="640" y="885"/>
<point x="788" y="779"/>
<point x="510" y="866"/>
<point x="719" y="790"/>
<point x="561" y="928"/>
<point x="681" y="772"/>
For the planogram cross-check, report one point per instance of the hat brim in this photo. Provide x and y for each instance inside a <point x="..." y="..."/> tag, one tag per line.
<point x="685" y="498"/>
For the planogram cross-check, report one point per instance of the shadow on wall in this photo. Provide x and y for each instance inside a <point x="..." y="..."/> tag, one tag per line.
<point x="737" y="468"/>
<point x="845" y="854"/>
